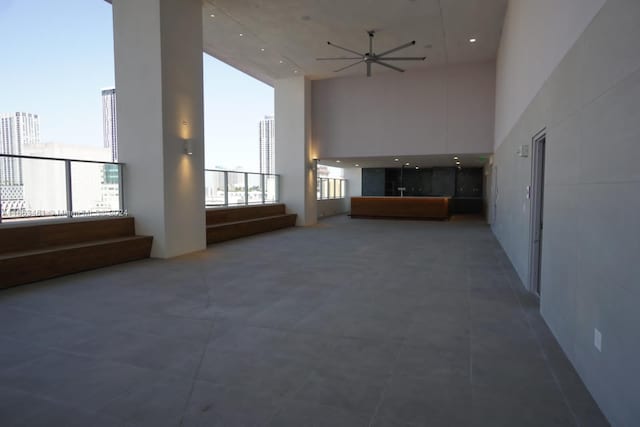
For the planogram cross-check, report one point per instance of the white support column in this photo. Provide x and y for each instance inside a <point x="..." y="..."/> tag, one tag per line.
<point x="158" y="67"/>
<point x="294" y="151"/>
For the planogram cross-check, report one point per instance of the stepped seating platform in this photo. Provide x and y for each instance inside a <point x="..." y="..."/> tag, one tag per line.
<point x="231" y="223"/>
<point x="35" y="251"/>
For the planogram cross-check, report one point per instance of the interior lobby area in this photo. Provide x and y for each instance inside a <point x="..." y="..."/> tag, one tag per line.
<point x="507" y="297"/>
<point x="346" y="323"/>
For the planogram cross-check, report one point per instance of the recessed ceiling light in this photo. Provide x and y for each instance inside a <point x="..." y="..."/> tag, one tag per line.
<point x="337" y="161"/>
<point x="407" y="164"/>
<point x="212" y="15"/>
<point x="356" y="165"/>
<point x="455" y="158"/>
<point x="417" y="167"/>
<point x="281" y="62"/>
<point x="261" y="49"/>
<point x="457" y="163"/>
<point x="473" y="40"/>
<point x="241" y="34"/>
<point x="396" y="160"/>
<point x="295" y="71"/>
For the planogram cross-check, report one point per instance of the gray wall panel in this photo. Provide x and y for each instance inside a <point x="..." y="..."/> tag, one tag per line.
<point x="590" y="106"/>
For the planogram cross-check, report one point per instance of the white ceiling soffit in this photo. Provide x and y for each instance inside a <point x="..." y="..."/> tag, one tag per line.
<point x="445" y="160"/>
<point x="294" y="32"/>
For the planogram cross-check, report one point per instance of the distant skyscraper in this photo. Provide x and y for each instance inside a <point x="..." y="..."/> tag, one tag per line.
<point x="16" y="131"/>
<point x="110" y="122"/>
<point x="267" y="132"/>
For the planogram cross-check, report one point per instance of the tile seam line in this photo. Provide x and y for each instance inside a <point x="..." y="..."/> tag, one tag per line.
<point x="574" y="111"/>
<point x="389" y="381"/>
<point x="203" y="277"/>
<point x="556" y="381"/>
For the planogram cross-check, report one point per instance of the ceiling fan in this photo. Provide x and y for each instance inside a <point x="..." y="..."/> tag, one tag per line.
<point x="373" y="58"/>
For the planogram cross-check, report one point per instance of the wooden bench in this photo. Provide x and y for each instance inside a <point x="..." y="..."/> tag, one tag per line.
<point x="35" y="251"/>
<point x="231" y="223"/>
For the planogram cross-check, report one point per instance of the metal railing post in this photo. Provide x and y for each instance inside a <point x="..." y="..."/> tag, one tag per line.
<point x="226" y="188"/>
<point x="121" y="188"/>
<point x="262" y="187"/>
<point x="67" y="174"/>
<point x="246" y="189"/>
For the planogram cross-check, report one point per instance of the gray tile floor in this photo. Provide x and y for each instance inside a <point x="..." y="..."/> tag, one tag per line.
<point x="349" y="323"/>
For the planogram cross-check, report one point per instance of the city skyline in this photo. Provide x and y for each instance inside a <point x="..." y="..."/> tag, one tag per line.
<point x="36" y="187"/>
<point x="17" y="129"/>
<point x="75" y="62"/>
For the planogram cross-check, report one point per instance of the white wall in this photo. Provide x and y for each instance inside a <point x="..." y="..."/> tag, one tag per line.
<point x="590" y="106"/>
<point x="533" y="43"/>
<point x="332" y="207"/>
<point x="439" y="111"/>
<point x="354" y="182"/>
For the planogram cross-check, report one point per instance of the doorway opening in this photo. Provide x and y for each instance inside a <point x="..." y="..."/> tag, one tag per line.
<point x="537" y="210"/>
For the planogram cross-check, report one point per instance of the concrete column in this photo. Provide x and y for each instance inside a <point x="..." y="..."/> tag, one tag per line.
<point x="294" y="150"/>
<point x="158" y="67"/>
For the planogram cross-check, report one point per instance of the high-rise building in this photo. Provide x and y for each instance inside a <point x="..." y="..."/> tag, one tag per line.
<point x="110" y="122"/>
<point x="16" y="131"/>
<point x="266" y="137"/>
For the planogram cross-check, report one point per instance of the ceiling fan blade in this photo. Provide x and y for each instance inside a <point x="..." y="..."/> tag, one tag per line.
<point x="368" y="69"/>
<point x="395" y="49"/>
<point x="344" y="48"/>
<point x="390" y="66"/>
<point x="338" y="58"/>
<point x="405" y="58"/>
<point x="348" y="66"/>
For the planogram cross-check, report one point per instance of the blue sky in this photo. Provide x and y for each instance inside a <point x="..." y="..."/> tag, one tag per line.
<point x="58" y="55"/>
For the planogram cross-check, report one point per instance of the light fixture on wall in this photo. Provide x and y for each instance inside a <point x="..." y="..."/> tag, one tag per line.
<point x="188" y="147"/>
<point x="523" y="151"/>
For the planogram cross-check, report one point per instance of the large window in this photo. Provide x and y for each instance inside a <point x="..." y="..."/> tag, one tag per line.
<point x="331" y="188"/>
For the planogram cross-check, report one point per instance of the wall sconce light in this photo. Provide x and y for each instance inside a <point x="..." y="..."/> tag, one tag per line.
<point x="188" y="147"/>
<point x="313" y="165"/>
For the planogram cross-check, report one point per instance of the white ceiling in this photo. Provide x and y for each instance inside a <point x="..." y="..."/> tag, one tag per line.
<point x="296" y="32"/>
<point x="447" y="160"/>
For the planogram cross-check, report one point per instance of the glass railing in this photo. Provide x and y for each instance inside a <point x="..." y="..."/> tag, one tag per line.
<point x="43" y="187"/>
<point x="330" y="188"/>
<point x="232" y="188"/>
